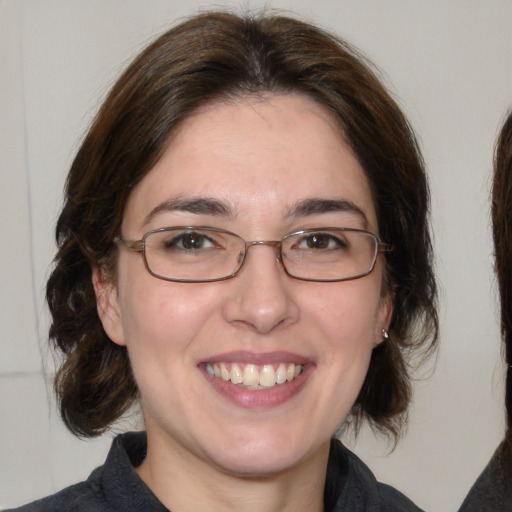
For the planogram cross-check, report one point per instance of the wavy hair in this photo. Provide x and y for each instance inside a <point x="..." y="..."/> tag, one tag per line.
<point x="501" y="213"/>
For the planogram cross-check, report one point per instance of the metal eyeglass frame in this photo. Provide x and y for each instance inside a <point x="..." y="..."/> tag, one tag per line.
<point x="140" y="246"/>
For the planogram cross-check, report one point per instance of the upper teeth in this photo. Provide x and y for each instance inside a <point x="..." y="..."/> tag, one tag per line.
<point x="253" y="376"/>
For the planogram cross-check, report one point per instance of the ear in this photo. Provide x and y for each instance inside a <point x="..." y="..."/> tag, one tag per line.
<point x="384" y="315"/>
<point x="108" y="306"/>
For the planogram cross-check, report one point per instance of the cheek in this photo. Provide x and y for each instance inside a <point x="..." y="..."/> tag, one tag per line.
<point x="347" y="316"/>
<point x="161" y="324"/>
<point x="344" y="320"/>
<point x="161" y="318"/>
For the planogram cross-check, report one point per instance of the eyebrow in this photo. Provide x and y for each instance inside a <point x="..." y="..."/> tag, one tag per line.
<point x="209" y="206"/>
<point x="318" y="206"/>
<point x="196" y="205"/>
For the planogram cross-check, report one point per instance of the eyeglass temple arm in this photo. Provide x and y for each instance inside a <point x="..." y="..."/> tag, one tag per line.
<point x="133" y="245"/>
<point x="382" y="247"/>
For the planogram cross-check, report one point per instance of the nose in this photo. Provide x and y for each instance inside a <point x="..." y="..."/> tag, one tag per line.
<point x="262" y="297"/>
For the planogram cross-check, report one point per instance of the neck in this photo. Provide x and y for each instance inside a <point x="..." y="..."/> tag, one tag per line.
<point x="185" y="483"/>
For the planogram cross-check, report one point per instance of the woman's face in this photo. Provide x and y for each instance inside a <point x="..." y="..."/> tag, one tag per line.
<point x="260" y="160"/>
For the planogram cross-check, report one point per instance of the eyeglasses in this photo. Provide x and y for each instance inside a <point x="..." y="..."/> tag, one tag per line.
<point x="191" y="254"/>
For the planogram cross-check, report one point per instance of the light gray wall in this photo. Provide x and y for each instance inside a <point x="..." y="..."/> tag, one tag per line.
<point x="449" y="62"/>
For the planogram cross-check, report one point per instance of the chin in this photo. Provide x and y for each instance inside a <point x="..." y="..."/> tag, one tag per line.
<point x="259" y="468"/>
<point x="262" y="457"/>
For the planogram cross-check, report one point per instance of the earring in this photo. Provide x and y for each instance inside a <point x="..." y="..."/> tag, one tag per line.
<point x="385" y="335"/>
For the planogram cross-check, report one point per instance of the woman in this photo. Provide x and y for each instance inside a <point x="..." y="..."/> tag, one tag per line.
<point x="244" y="250"/>
<point x="493" y="489"/>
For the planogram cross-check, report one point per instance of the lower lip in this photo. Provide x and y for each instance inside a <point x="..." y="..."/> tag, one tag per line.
<point x="259" y="398"/>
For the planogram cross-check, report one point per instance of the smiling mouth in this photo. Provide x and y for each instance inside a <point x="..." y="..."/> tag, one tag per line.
<point x="254" y="376"/>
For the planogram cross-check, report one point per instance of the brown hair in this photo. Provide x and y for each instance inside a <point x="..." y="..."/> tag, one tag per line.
<point x="501" y="211"/>
<point x="214" y="56"/>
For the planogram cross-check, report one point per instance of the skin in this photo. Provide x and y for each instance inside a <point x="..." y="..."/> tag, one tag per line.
<point x="207" y="449"/>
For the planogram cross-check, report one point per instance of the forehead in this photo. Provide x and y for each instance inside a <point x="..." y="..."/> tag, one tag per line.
<point x="259" y="157"/>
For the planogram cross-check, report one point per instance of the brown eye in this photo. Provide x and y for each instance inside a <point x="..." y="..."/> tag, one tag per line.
<point x="191" y="241"/>
<point x="321" y="241"/>
<point x="317" y="241"/>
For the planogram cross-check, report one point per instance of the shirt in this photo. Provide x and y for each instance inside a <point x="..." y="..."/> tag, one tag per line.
<point x="116" y="487"/>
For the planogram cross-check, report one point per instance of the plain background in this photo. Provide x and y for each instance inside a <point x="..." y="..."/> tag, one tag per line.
<point x="450" y="64"/>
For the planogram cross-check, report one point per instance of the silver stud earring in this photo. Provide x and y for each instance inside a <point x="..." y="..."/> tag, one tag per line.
<point x="385" y="335"/>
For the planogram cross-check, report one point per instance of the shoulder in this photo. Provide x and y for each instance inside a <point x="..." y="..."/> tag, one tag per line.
<point x="80" y="497"/>
<point x="352" y="486"/>
<point x="493" y="489"/>
<point x="115" y="486"/>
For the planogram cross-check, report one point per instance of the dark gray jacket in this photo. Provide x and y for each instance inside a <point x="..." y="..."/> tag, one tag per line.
<point x="492" y="492"/>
